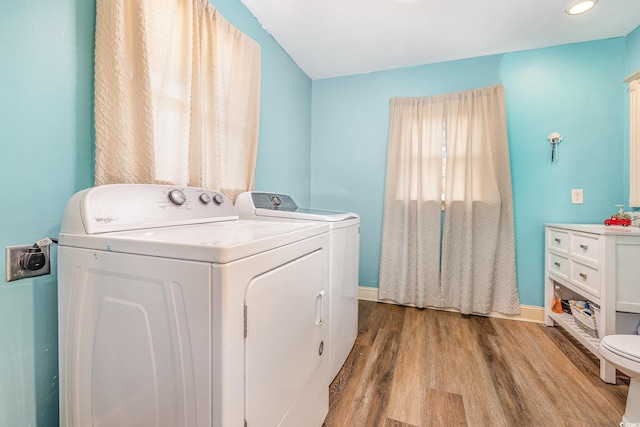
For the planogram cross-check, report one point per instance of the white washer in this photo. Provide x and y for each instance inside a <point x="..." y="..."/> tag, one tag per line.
<point x="344" y="249"/>
<point x="173" y="312"/>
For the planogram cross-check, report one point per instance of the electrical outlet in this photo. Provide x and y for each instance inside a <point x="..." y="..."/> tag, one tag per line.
<point x="577" y="196"/>
<point x="17" y="262"/>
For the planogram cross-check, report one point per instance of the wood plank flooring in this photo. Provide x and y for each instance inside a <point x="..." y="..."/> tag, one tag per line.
<point x="417" y="368"/>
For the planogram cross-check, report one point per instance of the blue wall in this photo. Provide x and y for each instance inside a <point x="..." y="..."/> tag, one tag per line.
<point x="633" y="51"/>
<point x="575" y="90"/>
<point x="46" y="156"/>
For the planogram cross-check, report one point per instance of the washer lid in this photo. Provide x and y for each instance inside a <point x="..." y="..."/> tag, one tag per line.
<point x="306" y="214"/>
<point x="217" y="242"/>
<point x="627" y="346"/>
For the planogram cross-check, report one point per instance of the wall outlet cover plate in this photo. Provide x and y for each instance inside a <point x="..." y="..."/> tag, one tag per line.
<point x="577" y="196"/>
<point x="16" y="272"/>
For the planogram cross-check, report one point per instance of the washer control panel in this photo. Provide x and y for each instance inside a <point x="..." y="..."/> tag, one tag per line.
<point x="281" y="202"/>
<point x="119" y="207"/>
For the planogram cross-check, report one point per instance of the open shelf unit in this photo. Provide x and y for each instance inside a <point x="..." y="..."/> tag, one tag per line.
<point x="567" y="322"/>
<point x="594" y="263"/>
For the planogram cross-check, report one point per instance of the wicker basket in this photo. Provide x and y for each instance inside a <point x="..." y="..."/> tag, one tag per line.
<point x="585" y="321"/>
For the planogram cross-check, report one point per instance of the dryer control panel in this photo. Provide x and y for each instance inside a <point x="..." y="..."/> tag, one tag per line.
<point x="120" y="207"/>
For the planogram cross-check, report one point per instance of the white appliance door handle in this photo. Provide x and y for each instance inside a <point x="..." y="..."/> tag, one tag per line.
<point x="320" y="308"/>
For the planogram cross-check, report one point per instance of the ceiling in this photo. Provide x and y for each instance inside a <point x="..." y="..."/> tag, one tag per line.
<point x="330" y="38"/>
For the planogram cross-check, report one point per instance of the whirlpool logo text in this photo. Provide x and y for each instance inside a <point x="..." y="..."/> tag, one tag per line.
<point x="106" y="219"/>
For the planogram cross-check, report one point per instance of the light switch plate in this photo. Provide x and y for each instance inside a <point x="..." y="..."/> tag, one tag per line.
<point x="16" y="272"/>
<point x="577" y="196"/>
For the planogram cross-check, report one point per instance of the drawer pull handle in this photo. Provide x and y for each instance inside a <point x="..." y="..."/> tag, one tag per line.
<point x="584" y="276"/>
<point x="557" y="264"/>
<point x="557" y="240"/>
<point x="585" y="247"/>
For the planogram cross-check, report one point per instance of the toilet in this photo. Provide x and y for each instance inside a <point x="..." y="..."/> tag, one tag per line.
<point x="623" y="351"/>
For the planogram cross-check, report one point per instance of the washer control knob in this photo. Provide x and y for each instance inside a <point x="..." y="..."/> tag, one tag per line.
<point x="205" y="198"/>
<point x="177" y="197"/>
<point x="276" y="201"/>
<point x="218" y="199"/>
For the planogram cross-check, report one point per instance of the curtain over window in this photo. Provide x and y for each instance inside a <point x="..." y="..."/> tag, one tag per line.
<point x="177" y="96"/>
<point x="451" y="146"/>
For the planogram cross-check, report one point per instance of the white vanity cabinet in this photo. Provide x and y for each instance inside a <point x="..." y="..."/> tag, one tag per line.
<point x="598" y="263"/>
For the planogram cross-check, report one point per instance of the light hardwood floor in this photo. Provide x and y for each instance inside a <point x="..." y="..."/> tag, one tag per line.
<point x="416" y="367"/>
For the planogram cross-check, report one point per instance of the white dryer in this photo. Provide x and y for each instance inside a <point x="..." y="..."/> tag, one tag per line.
<point x="344" y="252"/>
<point x="173" y="312"/>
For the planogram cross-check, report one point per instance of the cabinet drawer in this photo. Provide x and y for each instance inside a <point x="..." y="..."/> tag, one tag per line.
<point x="559" y="265"/>
<point x="558" y="240"/>
<point x="586" y="247"/>
<point x="587" y="278"/>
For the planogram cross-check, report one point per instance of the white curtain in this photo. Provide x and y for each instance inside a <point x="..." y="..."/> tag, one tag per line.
<point x="410" y="257"/>
<point x="177" y="96"/>
<point x="464" y="259"/>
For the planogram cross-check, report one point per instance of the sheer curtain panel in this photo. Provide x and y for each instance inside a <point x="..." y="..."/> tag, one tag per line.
<point x="478" y="241"/>
<point x="410" y="253"/>
<point x="177" y="96"/>
<point x="464" y="258"/>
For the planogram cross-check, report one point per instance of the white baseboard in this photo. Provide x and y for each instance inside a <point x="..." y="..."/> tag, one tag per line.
<point x="528" y="313"/>
<point x="368" y="294"/>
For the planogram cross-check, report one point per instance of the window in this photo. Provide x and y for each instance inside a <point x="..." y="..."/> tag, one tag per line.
<point x="177" y="96"/>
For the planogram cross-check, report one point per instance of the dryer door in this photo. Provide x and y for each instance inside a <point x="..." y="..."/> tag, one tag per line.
<point x="286" y="365"/>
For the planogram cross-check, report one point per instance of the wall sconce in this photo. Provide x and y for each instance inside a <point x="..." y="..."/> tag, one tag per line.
<point x="554" y="139"/>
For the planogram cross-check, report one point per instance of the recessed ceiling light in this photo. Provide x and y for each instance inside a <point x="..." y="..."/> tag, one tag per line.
<point x="580" y="6"/>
